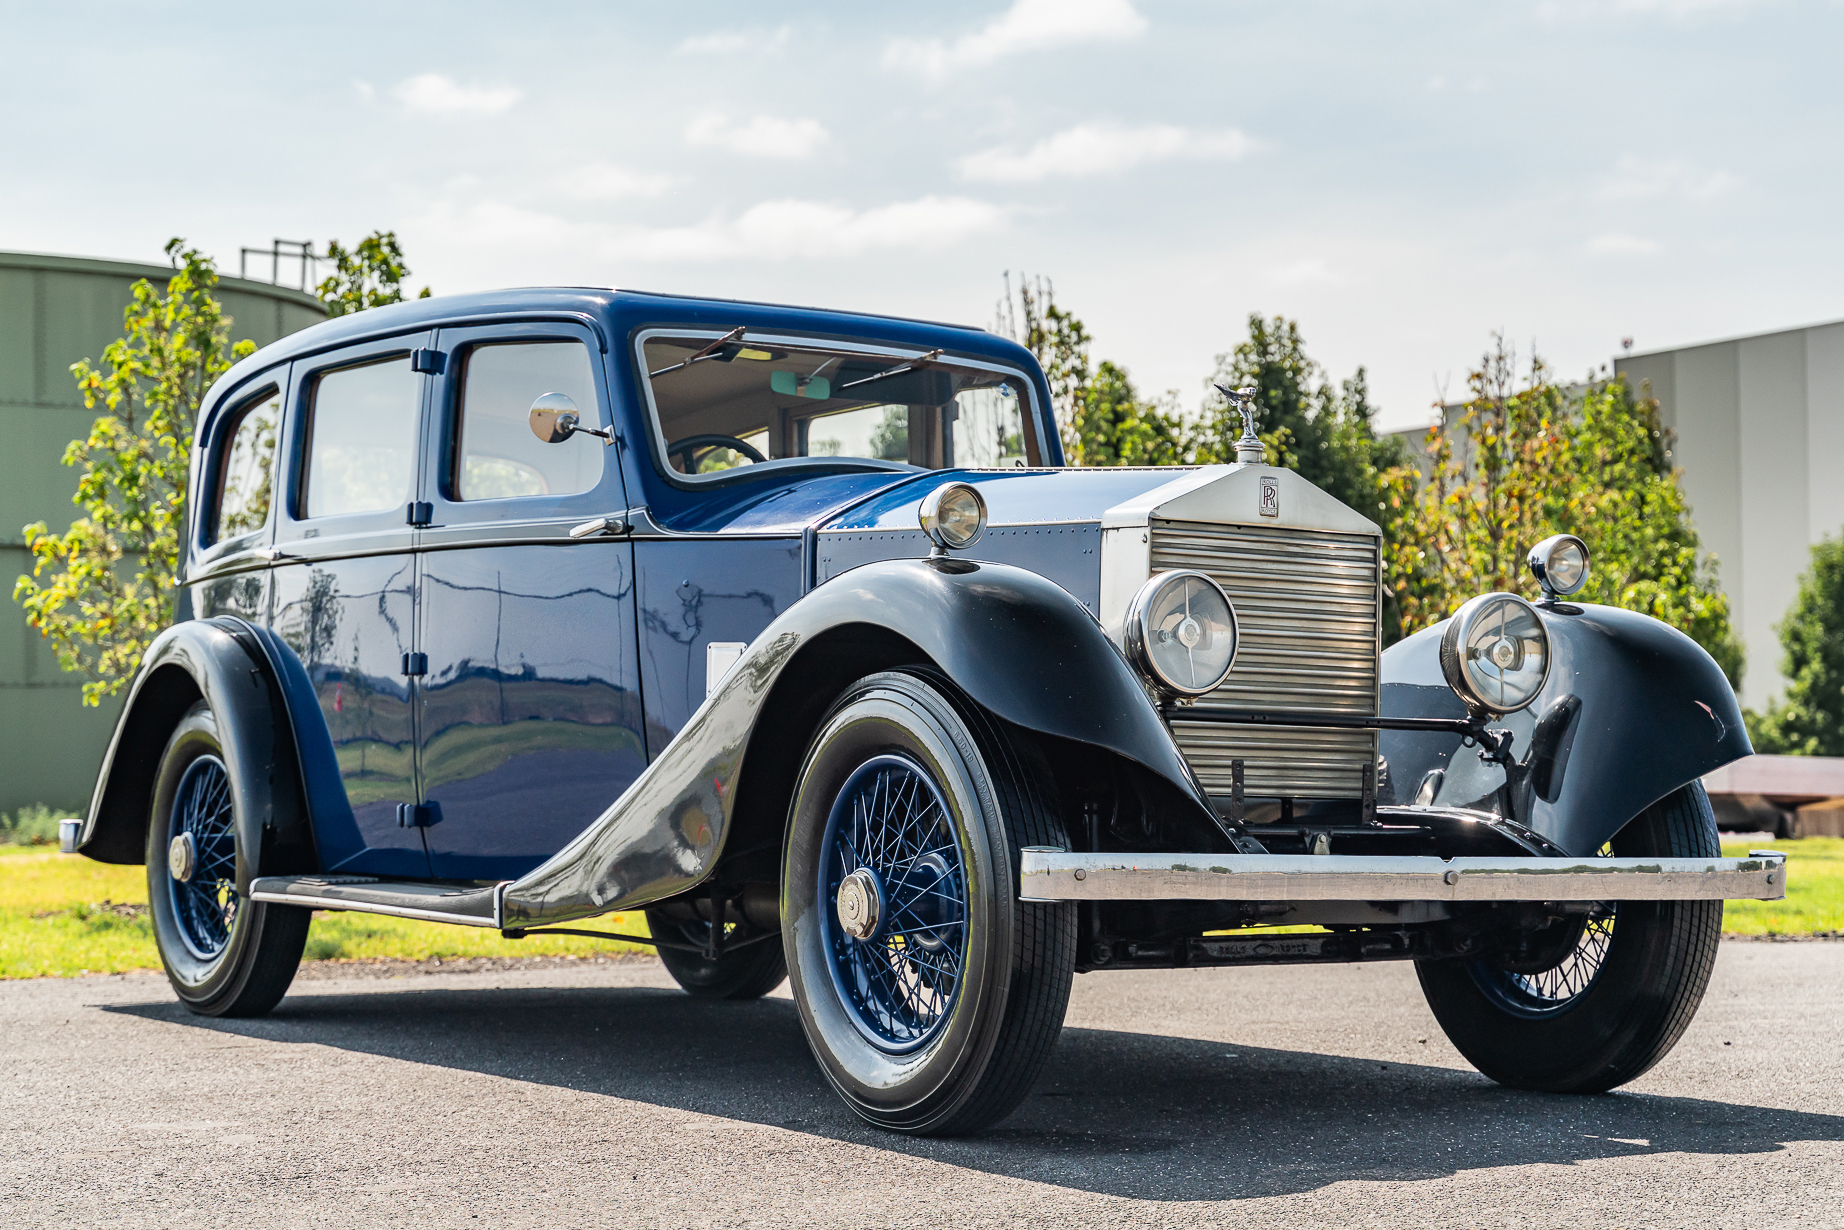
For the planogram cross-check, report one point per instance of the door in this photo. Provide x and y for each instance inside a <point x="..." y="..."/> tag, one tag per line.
<point x="345" y="588"/>
<point x="529" y="716"/>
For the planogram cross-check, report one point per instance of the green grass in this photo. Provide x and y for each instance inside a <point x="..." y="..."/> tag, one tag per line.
<point x="33" y="826"/>
<point x="1814" y="890"/>
<point x="64" y="914"/>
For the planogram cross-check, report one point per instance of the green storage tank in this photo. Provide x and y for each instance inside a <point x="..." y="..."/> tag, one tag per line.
<point x="55" y="310"/>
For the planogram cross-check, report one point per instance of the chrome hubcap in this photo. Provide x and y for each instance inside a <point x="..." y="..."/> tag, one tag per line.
<point x="181" y="857"/>
<point x="860" y="904"/>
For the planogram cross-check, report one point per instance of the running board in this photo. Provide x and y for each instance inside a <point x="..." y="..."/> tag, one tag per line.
<point x="1048" y="874"/>
<point x="467" y="905"/>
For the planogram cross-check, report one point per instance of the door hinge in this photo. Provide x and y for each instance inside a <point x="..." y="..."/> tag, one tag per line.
<point x="418" y="815"/>
<point x="419" y="512"/>
<point x="415" y="664"/>
<point x="430" y="362"/>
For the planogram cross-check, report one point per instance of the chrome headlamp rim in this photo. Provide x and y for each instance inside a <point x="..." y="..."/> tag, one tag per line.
<point x="1139" y="651"/>
<point x="1459" y="633"/>
<point x="929" y="514"/>
<point x="1539" y="561"/>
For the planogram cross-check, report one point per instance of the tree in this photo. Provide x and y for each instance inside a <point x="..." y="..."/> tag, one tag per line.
<point x="369" y="275"/>
<point x="112" y="574"/>
<point x="1326" y="432"/>
<point x="1810" y="722"/>
<point x="1100" y="417"/>
<point x="1527" y="461"/>
<point x="1113" y="426"/>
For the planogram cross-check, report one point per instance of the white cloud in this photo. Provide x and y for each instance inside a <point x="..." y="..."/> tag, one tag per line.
<point x="1636" y="180"/>
<point x="434" y="94"/>
<point x="1675" y="10"/>
<point x="1621" y="245"/>
<point x="771" y="231"/>
<point x="1029" y="25"/>
<point x="764" y="136"/>
<point x="601" y="181"/>
<point x="1101" y="149"/>
<point x="730" y="42"/>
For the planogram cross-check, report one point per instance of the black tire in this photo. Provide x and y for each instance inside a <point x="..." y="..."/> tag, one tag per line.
<point x="1630" y="1009"/>
<point x="224" y="955"/>
<point x="986" y="976"/>
<point x="743" y="973"/>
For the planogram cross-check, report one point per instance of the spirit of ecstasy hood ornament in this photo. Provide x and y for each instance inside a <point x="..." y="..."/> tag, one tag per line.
<point x="1249" y="449"/>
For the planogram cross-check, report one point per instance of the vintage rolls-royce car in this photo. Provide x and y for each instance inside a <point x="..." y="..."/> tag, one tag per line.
<point x="791" y="628"/>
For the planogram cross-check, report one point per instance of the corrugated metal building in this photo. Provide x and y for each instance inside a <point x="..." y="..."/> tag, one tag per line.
<point x="1760" y="436"/>
<point x="55" y="310"/>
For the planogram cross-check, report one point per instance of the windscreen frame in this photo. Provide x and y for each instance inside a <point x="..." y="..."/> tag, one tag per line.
<point x="1020" y="380"/>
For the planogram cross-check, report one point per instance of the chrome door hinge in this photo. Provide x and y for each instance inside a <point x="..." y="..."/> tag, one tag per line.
<point x="429" y="362"/>
<point x="419" y="512"/>
<point x="418" y="815"/>
<point x="415" y="664"/>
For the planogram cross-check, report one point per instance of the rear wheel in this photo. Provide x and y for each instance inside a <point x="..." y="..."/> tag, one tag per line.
<point x="749" y="972"/>
<point x="1593" y="1002"/>
<point x="931" y="996"/>
<point x="224" y="955"/>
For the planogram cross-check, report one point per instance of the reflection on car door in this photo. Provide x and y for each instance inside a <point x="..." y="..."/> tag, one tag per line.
<point x="530" y="720"/>
<point x="345" y="592"/>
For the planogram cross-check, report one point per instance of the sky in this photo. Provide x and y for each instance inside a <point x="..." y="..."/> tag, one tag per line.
<point x="1403" y="180"/>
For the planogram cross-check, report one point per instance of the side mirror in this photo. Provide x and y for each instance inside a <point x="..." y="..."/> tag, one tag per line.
<point x="554" y="418"/>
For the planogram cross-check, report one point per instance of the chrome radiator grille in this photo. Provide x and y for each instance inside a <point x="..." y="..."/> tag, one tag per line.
<point x="1307" y="605"/>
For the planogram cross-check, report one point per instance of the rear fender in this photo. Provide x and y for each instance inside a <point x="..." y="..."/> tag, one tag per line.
<point x="1017" y="645"/>
<point x="225" y="662"/>
<point x="1633" y="709"/>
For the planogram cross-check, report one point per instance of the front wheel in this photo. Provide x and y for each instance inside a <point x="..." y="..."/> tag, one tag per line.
<point x="931" y="996"/>
<point x="224" y="955"/>
<point x="1596" y="1001"/>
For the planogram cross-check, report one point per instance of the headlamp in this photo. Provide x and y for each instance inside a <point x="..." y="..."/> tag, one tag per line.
<point x="1495" y="653"/>
<point x="1181" y="632"/>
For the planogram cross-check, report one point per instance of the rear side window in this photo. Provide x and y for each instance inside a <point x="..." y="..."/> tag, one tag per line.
<point x="247" y="481"/>
<point x="361" y="451"/>
<point x="499" y="457"/>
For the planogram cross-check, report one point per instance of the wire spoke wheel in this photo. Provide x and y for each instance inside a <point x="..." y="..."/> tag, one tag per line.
<point x="205" y="902"/>
<point x="1555" y="987"/>
<point x="891" y="850"/>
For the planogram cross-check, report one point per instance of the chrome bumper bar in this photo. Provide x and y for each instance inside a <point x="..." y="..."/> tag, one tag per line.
<point x="1053" y="875"/>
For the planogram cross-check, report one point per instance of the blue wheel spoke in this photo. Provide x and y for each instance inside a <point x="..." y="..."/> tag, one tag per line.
<point x="205" y="905"/>
<point x="891" y="821"/>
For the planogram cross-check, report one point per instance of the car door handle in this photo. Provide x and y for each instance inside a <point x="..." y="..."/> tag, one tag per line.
<point x="601" y="525"/>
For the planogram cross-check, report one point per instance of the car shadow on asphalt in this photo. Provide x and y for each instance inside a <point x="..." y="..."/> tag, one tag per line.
<point x="1123" y="1114"/>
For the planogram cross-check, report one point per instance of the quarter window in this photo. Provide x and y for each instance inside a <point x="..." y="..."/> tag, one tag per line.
<point x="362" y="439"/>
<point x="246" y="482"/>
<point x="499" y="457"/>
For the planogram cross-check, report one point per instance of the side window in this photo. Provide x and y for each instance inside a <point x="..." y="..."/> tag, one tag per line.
<point x="498" y="457"/>
<point x="247" y="480"/>
<point x="361" y="451"/>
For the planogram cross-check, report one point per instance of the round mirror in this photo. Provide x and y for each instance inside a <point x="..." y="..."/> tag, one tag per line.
<point x="554" y="418"/>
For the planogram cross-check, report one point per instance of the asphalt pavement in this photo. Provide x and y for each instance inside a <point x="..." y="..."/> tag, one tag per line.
<point x="595" y="1094"/>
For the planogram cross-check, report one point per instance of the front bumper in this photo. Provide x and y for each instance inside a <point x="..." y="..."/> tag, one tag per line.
<point x="1054" y="875"/>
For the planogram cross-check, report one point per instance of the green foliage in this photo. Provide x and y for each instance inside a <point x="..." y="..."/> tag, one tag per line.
<point x="36" y="825"/>
<point x="1526" y="461"/>
<point x="1810" y="721"/>
<point x="1112" y="426"/>
<point x="101" y="591"/>
<point x="370" y="274"/>
<point x="1101" y="418"/>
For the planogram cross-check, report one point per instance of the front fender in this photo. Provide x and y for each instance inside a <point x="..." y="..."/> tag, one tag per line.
<point x="224" y="662"/>
<point x="1655" y="713"/>
<point x="1018" y="645"/>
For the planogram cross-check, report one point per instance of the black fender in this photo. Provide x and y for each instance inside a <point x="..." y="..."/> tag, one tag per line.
<point x="1633" y="709"/>
<point x="1014" y="643"/>
<point x="227" y="663"/>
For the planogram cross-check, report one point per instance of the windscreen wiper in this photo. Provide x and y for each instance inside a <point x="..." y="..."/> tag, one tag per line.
<point x="920" y="361"/>
<point x="709" y="352"/>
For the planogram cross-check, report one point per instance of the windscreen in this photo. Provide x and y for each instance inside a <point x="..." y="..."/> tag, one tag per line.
<point x="724" y="401"/>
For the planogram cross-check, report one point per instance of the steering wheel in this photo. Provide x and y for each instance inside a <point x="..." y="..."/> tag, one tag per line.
<point x="684" y="448"/>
